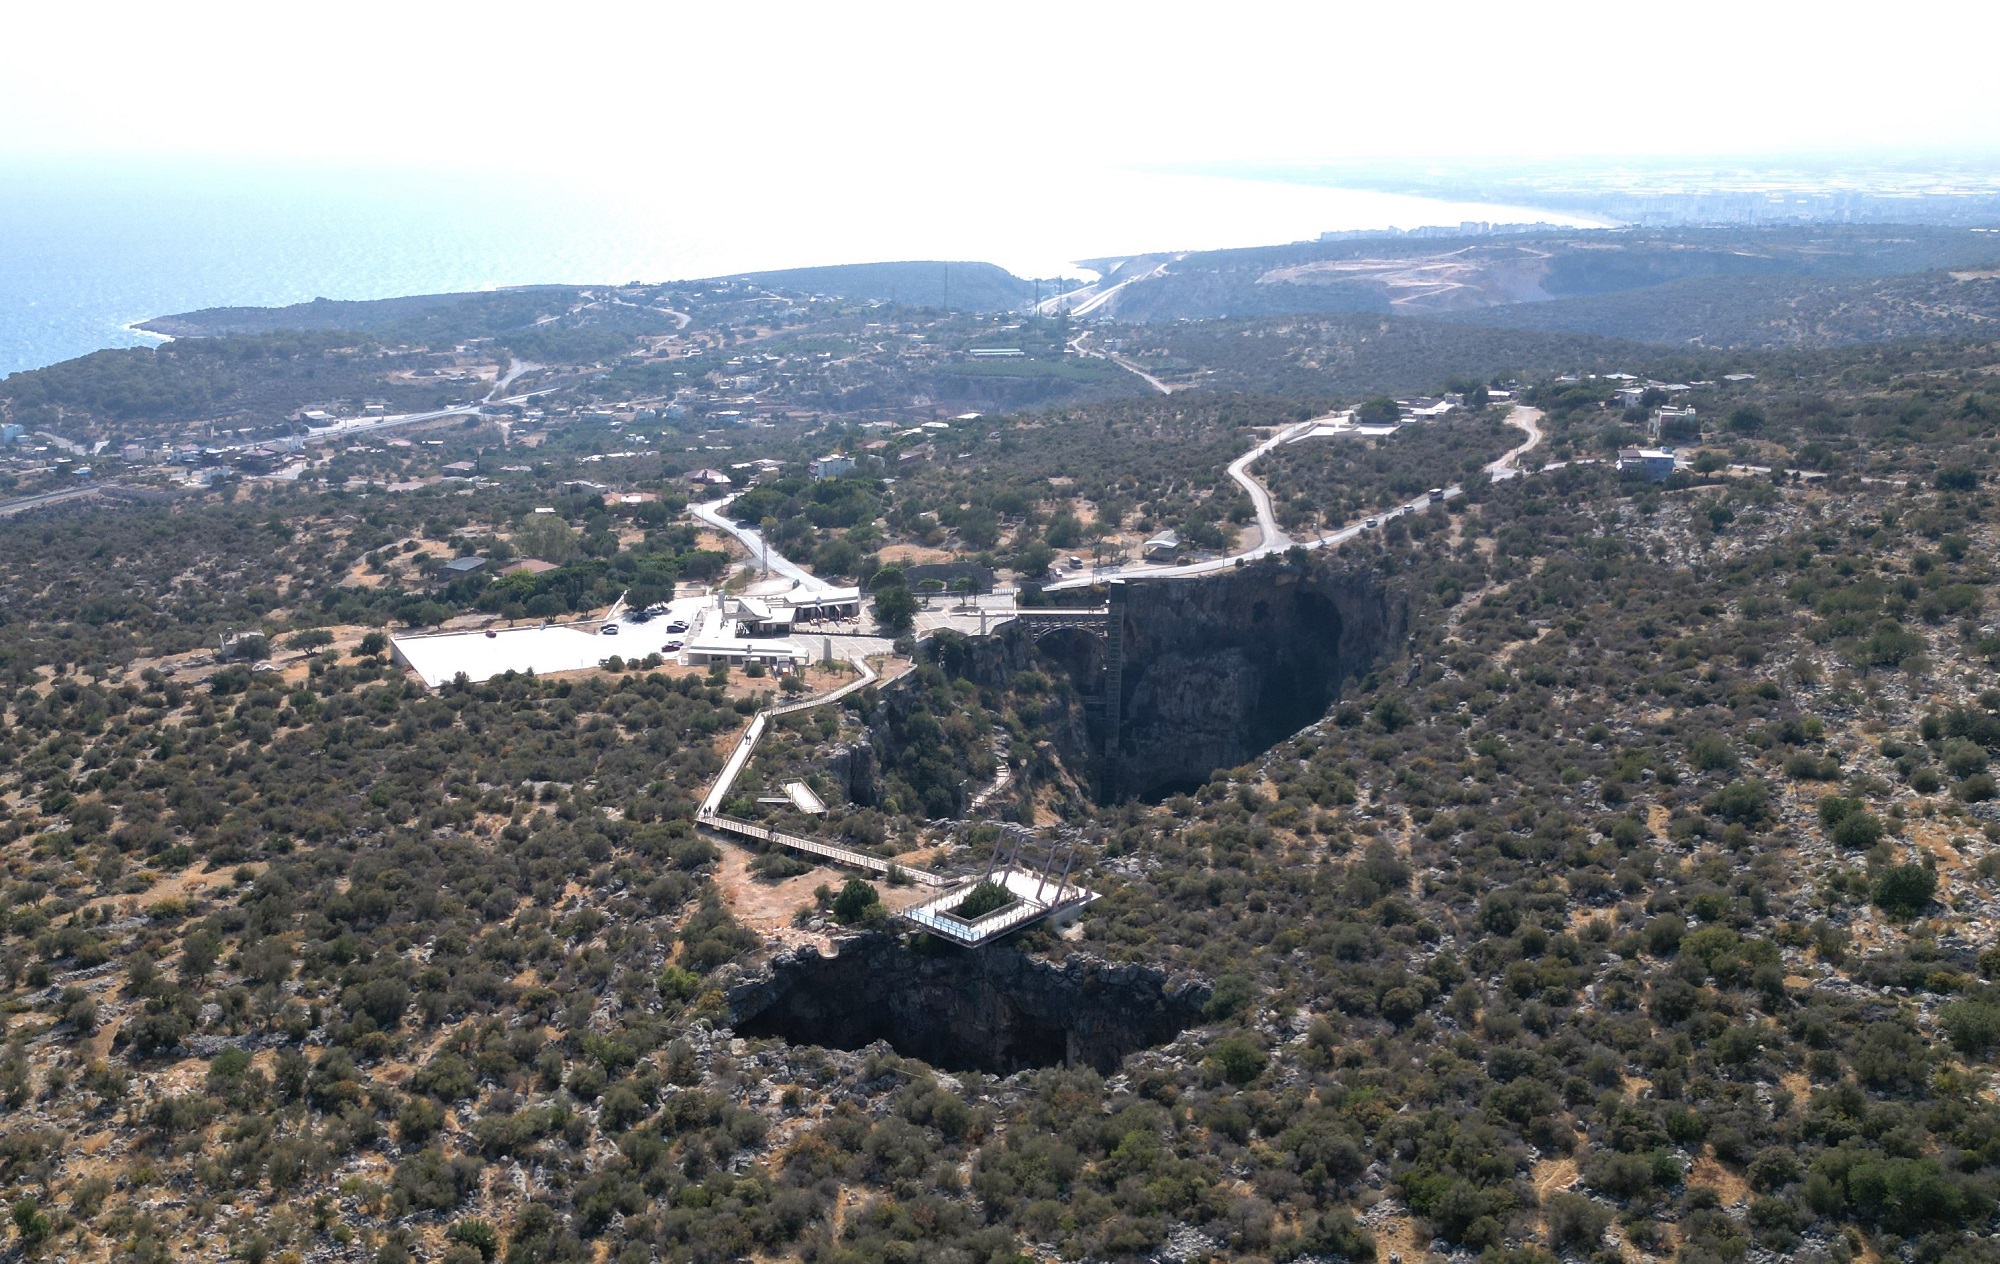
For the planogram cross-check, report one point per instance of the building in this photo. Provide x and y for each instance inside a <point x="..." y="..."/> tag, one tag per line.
<point x="708" y="478"/>
<point x="778" y="656"/>
<point x="1655" y="463"/>
<point x="462" y="468"/>
<point x="828" y="603"/>
<point x="528" y="566"/>
<point x="1162" y="547"/>
<point x="831" y="466"/>
<point x="754" y="616"/>
<point x="1424" y="408"/>
<point x="459" y="566"/>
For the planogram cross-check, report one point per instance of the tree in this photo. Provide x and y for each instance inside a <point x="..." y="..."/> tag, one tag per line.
<point x="856" y="901"/>
<point x="546" y="538"/>
<point x="895" y="609"/>
<point x="1379" y="410"/>
<point x="1034" y="560"/>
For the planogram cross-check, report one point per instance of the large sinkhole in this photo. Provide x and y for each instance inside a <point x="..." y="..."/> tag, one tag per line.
<point x="995" y="1009"/>
<point x="1212" y="673"/>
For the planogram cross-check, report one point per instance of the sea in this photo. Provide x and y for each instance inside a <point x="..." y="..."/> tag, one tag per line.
<point x="88" y="249"/>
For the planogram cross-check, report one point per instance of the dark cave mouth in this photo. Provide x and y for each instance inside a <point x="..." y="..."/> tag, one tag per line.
<point x="990" y="1010"/>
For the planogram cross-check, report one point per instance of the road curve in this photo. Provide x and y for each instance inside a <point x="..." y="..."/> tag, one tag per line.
<point x="712" y="513"/>
<point x="1506" y="466"/>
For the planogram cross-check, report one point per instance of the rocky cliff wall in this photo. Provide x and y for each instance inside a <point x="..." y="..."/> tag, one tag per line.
<point x="1219" y="669"/>
<point x="996" y="1010"/>
<point x="1215" y="671"/>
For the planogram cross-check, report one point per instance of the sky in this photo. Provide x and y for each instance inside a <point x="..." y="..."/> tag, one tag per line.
<point x="895" y="94"/>
<point x="161" y="157"/>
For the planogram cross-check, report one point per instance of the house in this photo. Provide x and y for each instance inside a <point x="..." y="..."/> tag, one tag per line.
<point x="462" y="468"/>
<point x="708" y="478"/>
<point x="461" y="566"/>
<point x="831" y="466"/>
<point x="1655" y="463"/>
<point x="1162" y="547"/>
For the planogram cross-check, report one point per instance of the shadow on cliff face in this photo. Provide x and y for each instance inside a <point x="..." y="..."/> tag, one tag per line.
<point x="1218" y="671"/>
<point x="994" y="1010"/>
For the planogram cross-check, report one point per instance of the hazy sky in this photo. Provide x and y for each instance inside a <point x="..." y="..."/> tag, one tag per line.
<point x="890" y="92"/>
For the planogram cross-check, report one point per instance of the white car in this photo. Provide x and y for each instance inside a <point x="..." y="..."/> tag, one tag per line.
<point x="609" y="629"/>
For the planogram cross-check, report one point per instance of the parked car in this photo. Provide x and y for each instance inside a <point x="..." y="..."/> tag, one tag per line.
<point x="677" y="626"/>
<point x="609" y="629"/>
<point x="673" y="647"/>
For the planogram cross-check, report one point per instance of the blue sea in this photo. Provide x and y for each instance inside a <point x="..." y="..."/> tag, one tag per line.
<point x="87" y="249"/>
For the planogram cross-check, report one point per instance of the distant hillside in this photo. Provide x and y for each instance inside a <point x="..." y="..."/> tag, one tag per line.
<point x="962" y="286"/>
<point x="481" y="311"/>
<point x="1506" y="280"/>
<point x="1337" y="354"/>
<point x="1773" y="311"/>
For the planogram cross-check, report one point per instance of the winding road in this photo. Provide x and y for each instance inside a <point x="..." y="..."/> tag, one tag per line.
<point x="712" y="514"/>
<point x="1272" y="538"/>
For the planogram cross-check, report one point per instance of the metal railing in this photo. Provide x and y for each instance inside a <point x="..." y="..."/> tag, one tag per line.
<point x="824" y="850"/>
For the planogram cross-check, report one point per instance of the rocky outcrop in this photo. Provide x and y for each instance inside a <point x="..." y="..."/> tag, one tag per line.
<point x="996" y="1010"/>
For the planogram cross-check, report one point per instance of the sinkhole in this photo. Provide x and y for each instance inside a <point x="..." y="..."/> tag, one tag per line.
<point x="994" y="1009"/>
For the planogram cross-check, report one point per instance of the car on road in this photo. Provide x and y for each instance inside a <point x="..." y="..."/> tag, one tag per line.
<point x="1371" y="523"/>
<point x="1435" y="493"/>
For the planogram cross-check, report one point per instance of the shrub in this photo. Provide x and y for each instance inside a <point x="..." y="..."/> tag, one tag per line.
<point x="1236" y="1060"/>
<point x="1232" y="995"/>
<point x="987" y="897"/>
<point x="1974" y="1026"/>
<point x="1858" y="831"/>
<point x="856" y="901"/>
<point x="1576" y="1223"/>
<point x="1905" y="890"/>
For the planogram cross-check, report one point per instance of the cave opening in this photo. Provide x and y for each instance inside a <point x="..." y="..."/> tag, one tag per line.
<point x="994" y="1009"/>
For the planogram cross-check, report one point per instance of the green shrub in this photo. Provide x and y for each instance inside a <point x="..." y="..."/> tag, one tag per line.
<point x="1905" y="890"/>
